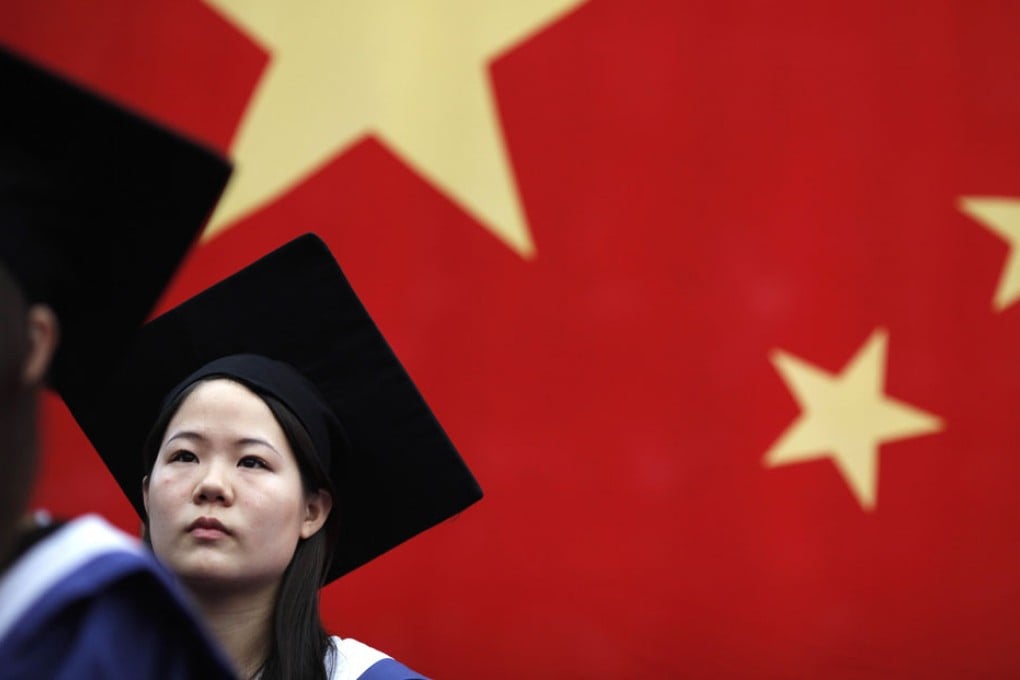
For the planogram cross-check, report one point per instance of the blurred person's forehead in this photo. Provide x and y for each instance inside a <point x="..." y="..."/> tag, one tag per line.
<point x="12" y="298"/>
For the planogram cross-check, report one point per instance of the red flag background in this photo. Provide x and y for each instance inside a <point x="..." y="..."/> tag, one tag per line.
<point x="739" y="376"/>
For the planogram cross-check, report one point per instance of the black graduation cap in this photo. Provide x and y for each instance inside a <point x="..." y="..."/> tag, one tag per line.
<point x="98" y="206"/>
<point x="401" y="474"/>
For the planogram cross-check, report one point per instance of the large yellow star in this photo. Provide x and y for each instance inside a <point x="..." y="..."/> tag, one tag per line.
<point x="414" y="73"/>
<point x="1002" y="216"/>
<point x="845" y="417"/>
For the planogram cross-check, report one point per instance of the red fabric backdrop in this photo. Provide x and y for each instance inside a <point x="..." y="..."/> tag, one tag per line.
<point x="710" y="187"/>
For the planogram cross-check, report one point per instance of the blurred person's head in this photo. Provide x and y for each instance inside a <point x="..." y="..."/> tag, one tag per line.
<point x="98" y="206"/>
<point x="27" y="343"/>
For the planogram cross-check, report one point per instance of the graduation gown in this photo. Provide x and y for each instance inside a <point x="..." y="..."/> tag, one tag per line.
<point x="88" y="601"/>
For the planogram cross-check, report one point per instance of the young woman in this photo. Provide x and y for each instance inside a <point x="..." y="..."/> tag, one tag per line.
<point x="289" y="447"/>
<point x="239" y="506"/>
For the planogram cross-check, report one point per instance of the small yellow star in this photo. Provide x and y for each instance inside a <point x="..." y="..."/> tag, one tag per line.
<point x="1002" y="216"/>
<point x="845" y="417"/>
<point x="414" y="73"/>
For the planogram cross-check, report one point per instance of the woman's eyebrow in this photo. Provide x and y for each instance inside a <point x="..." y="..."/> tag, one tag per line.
<point x="200" y="438"/>
<point x="185" y="434"/>
<point x="255" y="440"/>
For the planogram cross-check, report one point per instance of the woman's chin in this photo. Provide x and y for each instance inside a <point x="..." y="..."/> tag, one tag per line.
<point x="219" y="580"/>
<point x="207" y="573"/>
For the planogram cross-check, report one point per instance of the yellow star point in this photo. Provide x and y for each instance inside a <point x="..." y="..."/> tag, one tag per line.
<point x="846" y="417"/>
<point x="1001" y="216"/>
<point x="413" y="73"/>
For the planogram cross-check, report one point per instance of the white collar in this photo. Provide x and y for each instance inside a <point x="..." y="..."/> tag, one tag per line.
<point x="352" y="658"/>
<point x="48" y="562"/>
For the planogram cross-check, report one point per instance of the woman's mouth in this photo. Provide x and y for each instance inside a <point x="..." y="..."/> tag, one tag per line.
<point x="208" y="528"/>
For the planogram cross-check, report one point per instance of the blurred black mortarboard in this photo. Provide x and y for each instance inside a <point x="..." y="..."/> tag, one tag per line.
<point x="98" y="207"/>
<point x="401" y="474"/>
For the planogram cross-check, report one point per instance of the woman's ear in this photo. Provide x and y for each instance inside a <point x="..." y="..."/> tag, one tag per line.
<point x="318" y="505"/>
<point x="43" y="333"/>
<point x="145" y="494"/>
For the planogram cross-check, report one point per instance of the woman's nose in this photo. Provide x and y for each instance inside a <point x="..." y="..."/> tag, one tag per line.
<point x="214" y="486"/>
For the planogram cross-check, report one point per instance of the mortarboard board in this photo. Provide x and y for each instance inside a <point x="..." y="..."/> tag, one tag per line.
<point x="401" y="474"/>
<point x="98" y="206"/>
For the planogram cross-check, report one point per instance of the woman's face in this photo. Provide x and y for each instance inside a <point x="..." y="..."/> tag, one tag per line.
<point x="225" y="500"/>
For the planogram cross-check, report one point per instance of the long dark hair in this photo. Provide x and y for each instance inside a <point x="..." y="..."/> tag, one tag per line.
<point x="298" y="641"/>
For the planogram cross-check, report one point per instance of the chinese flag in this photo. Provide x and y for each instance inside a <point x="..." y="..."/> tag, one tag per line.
<point x="719" y="300"/>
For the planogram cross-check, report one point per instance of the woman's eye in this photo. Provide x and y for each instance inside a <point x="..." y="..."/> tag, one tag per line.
<point x="252" y="462"/>
<point x="183" y="457"/>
